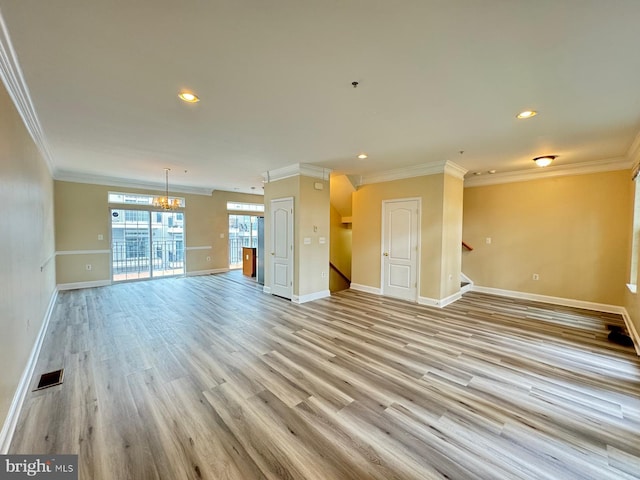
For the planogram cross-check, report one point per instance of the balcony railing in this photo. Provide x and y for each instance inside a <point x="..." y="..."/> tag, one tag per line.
<point x="235" y="249"/>
<point x="134" y="259"/>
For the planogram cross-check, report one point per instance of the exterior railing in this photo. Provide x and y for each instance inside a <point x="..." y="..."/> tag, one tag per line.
<point x="235" y="248"/>
<point x="135" y="256"/>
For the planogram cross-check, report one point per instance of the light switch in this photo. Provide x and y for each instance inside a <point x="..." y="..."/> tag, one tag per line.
<point x="100" y="236"/>
<point x="322" y="240"/>
<point x="307" y="240"/>
<point x="222" y="235"/>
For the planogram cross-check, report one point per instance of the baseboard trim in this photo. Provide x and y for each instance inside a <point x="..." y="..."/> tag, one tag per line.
<point x="567" y="302"/>
<point x="466" y="288"/>
<point x="366" y="288"/>
<point x="631" y="328"/>
<point x="443" y="302"/>
<point x="11" y="421"/>
<point x="77" y="285"/>
<point x="196" y="273"/>
<point x="469" y="283"/>
<point x="310" y="297"/>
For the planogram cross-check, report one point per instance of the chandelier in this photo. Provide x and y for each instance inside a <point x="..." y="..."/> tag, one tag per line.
<point x="164" y="202"/>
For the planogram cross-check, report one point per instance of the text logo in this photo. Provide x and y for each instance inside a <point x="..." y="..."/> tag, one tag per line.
<point x="50" y="467"/>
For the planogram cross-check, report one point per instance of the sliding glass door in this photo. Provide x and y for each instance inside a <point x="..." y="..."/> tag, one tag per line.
<point x="146" y="244"/>
<point x="243" y="232"/>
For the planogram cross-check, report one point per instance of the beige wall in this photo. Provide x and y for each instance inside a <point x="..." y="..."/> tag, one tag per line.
<point x="82" y="213"/>
<point x="451" y="236"/>
<point x="437" y="259"/>
<point x="314" y="222"/>
<point x="27" y="263"/>
<point x="311" y="208"/>
<point x="574" y="231"/>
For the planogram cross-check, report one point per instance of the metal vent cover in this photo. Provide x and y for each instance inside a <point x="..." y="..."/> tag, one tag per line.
<point x="50" y="379"/>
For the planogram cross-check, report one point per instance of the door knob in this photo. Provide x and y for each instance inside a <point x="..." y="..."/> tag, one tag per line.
<point x="273" y="253"/>
<point x="385" y="254"/>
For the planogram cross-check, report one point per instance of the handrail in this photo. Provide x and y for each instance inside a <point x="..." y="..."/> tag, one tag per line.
<point x="467" y="246"/>
<point x="346" y="279"/>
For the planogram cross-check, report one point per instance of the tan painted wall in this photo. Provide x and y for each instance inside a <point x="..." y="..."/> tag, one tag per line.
<point x="367" y="225"/>
<point x="314" y="222"/>
<point x="311" y="208"/>
<point x="82" y="212"/>
<point x="573" y="231"/>
<point x="341" y="191"/>
<point x="27" y="280"/>
<point x="451" y="236"/>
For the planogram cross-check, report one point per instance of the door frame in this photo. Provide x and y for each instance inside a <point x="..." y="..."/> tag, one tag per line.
<point x="291" y="234"/>
<point x="418" y="241"/>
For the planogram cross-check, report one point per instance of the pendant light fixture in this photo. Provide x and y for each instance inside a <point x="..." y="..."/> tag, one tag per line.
<point x="164" y="202"/>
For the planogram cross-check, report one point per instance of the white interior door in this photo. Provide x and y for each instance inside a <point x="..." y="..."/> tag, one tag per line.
<point x="400" y="237"/>
<point x="282" y="247"/>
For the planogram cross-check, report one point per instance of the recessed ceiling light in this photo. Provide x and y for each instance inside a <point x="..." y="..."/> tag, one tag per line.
<point x="545" y="161"/>
<point x="527" y="114"/>
<point x="188" y="97"/>
<point x="477" y="173"/>
<point x="492" y="171"/>
<point x="362" y="156"/>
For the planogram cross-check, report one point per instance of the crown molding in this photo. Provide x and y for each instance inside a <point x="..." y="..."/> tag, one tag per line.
<point x="433" y="168"/>
<point x="633" y="154"/>
<point x="455" y="170"/>
<point x="296" y="169"/>
<point x="13" y="80"/>
<point x="66" y="176"/>
<point x="536" y="173"/>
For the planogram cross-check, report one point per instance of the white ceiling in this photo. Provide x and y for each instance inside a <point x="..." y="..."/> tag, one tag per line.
<point x="436" y="77"/>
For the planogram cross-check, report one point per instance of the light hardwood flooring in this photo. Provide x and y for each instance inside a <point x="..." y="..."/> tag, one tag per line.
<point x="207" y="377"/>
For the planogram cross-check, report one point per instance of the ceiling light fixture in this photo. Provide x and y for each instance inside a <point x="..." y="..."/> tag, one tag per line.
<point x="545" y="161"/>
<point x="362" y="156"/>
<point x="188" y="97"/>
<point x="165" y="202"/>
<point x="527" y="114"/>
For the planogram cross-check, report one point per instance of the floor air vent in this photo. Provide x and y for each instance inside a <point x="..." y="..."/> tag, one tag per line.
<point x="50" y="379"/>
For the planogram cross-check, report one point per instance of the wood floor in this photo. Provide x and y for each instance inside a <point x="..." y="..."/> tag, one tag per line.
<point x="207" y="377"/>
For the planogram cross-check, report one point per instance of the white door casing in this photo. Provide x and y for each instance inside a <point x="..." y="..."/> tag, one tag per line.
<point x="282" y="247"/>
<point x="400" y="252"/>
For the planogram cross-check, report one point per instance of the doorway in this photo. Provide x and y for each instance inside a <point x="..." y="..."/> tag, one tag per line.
<point x="243" y="232"/>
<point x="400" y="252"/>
<point x="146" y="244"/>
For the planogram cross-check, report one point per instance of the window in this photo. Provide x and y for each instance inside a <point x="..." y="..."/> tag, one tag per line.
<point x="137" y="199"/>
<point x="134" y="216"/>
<point x="245" y="207"/>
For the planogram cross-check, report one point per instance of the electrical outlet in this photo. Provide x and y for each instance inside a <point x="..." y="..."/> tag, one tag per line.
<point x="208" y="258"/>
<point x="536" y="276"/>
<point x="488" y="240"/>
<point x="100" y="236"/>
<point x="88" y="266"/>
<point x="323" y="274"/>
